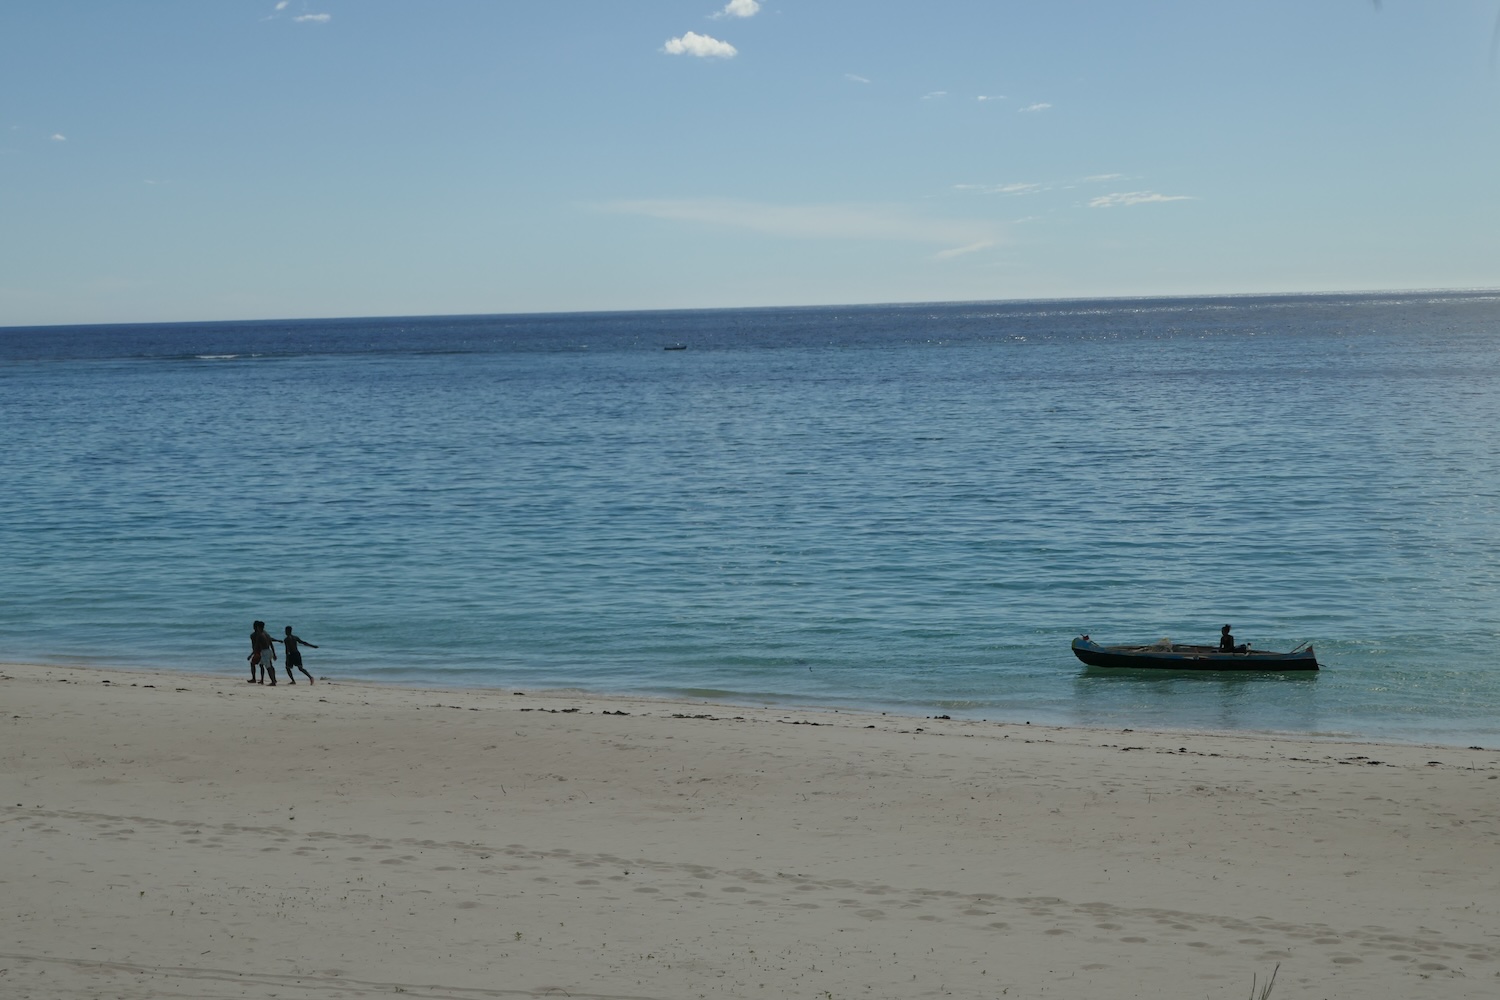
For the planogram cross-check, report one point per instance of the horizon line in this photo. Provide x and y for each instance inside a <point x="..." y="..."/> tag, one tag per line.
<point x="915" y="303"/>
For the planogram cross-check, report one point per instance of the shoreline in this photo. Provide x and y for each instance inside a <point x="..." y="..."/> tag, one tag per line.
<point x="196" y="836"/>
<point x="611" y="702"/>
<point x="761" y="704"/>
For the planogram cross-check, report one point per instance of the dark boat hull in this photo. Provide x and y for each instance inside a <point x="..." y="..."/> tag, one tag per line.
<point x="1179" y="657"/>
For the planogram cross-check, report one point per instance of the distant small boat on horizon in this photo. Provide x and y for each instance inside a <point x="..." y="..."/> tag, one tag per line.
<point x="675" y="347"/>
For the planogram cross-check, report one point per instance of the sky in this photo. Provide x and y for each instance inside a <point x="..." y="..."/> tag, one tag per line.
<point x="184" y="160"/>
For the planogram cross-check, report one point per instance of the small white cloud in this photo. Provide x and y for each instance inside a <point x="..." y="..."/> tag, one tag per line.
<point x="960" y="251"/>
<point x="1034" y="107"/>
<point x="313" y="18"/>
<point x="1099" y="178"/>
<point x="933" y="95"/>
<point x="990" y="97"/>
<point x="58" y="137"/>
<point x="1012" y="188"/>
<point x="702" y="46"/>
<point x="282" y="5"/>
<point x="740" y="8"/>
<point x="856" y="78"/>
<point x="1135" y="198"/>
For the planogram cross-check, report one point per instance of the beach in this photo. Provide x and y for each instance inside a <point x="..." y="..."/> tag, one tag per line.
<point x="168" y="834"/>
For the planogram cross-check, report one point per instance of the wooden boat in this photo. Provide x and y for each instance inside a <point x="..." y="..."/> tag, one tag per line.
<point x="1177" y="656"/>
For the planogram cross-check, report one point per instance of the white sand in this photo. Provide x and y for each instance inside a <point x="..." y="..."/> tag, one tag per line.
<point x="167" y="835"/>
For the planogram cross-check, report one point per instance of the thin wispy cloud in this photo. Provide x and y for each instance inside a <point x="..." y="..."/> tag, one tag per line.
<point x="739" y="8"/>
<point x="702" y="46"/>
<point x="818" y="222"/>
<point x="1033" y="108"/>
<point x="990" y="97"/>
<point x="58" y="137"/>
<point x="856" y="78"/>
<point x="281" y="6"/>
<point x="960" y="251"/>
<point x="1125" y="198"/>
<point x="1012" y="188"/>
<point x="933" y="95"/>
<point x="1112" y="200"/>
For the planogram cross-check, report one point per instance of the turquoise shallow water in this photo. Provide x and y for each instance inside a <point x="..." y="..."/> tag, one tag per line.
<point x="904" y="508"/>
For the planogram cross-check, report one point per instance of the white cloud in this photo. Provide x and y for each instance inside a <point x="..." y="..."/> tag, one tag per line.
<point x="1035" y="107"/>
<point x="739" y="8"/>
<point x="1135" y="198"/>
<point x="960" y="251"/>
<point x="819" y="222"/>
<point x="933" y="95"/>
<point x="313" y="18"/>
<point x="58" y="137"/>
<point x="1098" y="178"/>
<point x="856" y="78"/>
<point x="990" y="97"/>
<point x="702" y="46"/>
<point x="281" y="6"/>
<point x="1012" y="188"/>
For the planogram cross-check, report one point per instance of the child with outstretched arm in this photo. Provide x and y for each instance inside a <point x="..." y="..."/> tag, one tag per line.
<point x="294" y="655"/>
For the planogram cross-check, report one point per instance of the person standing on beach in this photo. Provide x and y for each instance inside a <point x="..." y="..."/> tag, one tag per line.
<point x="262" y="654"/>
<point x="294" y="655"/>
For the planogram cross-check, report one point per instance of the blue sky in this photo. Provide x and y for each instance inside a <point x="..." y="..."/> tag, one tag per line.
<point x="194" y="160"/>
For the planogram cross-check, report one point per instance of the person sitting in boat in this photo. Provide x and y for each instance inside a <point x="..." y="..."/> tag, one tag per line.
<point x="1226" y="642"/>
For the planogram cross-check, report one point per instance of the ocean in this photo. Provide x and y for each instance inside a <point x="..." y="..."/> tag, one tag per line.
<point x="908" y="508"/>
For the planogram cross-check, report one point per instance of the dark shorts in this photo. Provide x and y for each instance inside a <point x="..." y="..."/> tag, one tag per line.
<point x="294" y="659"/>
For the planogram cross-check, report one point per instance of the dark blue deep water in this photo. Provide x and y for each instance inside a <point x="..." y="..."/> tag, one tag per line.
<point x="910" y="508"/>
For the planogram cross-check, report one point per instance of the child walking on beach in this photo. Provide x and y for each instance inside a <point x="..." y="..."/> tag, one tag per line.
<point x="294" y="655"/>
<point x="262" y="654"/>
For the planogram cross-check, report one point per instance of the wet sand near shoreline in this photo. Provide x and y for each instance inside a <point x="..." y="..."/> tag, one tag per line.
<point x="169" y="834"/>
